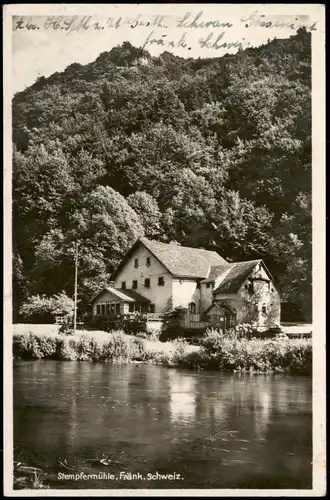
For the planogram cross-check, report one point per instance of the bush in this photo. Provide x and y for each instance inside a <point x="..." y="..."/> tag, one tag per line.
<point x="140" y="352"/>
<point x="104" y="323"/>
<point x="66" y="350"/>
<point x="66" y="329"/>
<point x="195" y="360"/>
<point x="27" y="346"/>
<point x="40" y="308"/>
<point x="48" y="346"/>
<point x="258" y="355"/>
<point x="218" y="351"/>
<point x="116" y="348"/>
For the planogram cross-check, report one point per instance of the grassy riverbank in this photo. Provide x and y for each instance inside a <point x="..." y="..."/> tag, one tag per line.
<point x="216" y="352"/>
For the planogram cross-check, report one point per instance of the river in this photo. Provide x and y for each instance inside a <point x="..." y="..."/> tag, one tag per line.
<point x="215" y="430"/>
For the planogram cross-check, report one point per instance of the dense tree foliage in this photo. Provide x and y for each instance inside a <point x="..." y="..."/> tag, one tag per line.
<point x="212" y="153"/>
<point x="40" y="308"/>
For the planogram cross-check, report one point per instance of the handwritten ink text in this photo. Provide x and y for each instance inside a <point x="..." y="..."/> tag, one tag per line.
<point x="186" y="22"/>
<point x="156" y="21"/>
<point x="211" y="43"/>
<point x="166" y="42"/>
<point x="256" y="20"/>
<point x="25" y="25"/>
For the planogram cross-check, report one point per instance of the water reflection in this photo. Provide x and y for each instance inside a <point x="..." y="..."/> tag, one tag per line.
<point x="182" y="397"/>
<point x="216" y="430"/>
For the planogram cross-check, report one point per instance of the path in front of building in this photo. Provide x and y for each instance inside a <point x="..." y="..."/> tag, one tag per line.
<point x="297" y="328"/>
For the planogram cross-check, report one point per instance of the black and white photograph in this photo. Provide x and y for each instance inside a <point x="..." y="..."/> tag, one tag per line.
<point x="164" y="241"/>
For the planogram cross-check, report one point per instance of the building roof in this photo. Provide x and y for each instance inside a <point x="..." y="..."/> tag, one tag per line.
<point x="182" y="262"/>
<point x="230" y="278"/>
<point x="123" y="295"/>
<point x="217" y="271"/>
<point x="223" y="307"/>
<point x="133" y="295"/>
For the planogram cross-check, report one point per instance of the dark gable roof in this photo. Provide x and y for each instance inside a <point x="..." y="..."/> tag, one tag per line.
<point x="223" y="307"/>
<point x="123" y="295"/>
<point x="234" y="275"/>
<point x="215" y="272"/>
<point x="133" y="295"/>
<point x="181" y="262"/>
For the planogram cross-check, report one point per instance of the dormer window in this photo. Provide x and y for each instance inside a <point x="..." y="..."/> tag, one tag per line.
<point x="148" y="261"/>
<point x="136" y="262"/>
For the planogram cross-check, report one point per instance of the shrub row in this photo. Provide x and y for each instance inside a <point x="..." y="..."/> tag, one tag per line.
<point x="216" y="352"/>
<point x="116" y="347"/>
<point x="279" y="354"/>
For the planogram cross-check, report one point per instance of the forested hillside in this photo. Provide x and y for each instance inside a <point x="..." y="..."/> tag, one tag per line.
<point x="212" y="153"/>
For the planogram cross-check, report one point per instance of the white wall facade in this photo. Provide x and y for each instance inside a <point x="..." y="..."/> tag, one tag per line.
<point x="158" y="295"/>
<point x="185" y="291"/>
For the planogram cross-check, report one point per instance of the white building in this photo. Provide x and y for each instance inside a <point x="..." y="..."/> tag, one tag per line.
<point x="154" y="277"/>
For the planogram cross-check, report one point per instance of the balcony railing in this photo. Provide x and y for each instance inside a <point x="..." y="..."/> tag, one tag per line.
<point x="131" y="316"/>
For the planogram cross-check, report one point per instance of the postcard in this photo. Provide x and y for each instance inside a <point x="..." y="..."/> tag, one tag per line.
<point x="164" y="250"/>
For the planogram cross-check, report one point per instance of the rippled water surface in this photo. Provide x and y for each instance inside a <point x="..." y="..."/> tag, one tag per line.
<point x="215" y="430"/>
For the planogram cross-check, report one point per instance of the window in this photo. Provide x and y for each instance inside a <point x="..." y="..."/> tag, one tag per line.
<point x="198" y="284"/>
<point x="98" y="309"/>
<point x="131" y="307"/>
<point x="249" y="287"/>
<point x="136" y="262"/>
<point x="148" y="262"/>
<point x="108" y="308"/>
<point x="208" y="285"/>
<point x="147" y="283"/>
<point x="118" y="308"/>
<point x="161" y="281"/>
<point x="152" y="308"/>
<point x="103" y="309"/>
<point x="264" y="309"/>
<point x="123" y="285"/>
<point x="192" y="307"/>
<point x="134" y="285"/>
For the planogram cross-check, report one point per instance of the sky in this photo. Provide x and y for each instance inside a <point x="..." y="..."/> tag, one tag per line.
<point x="46" y="39"/>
